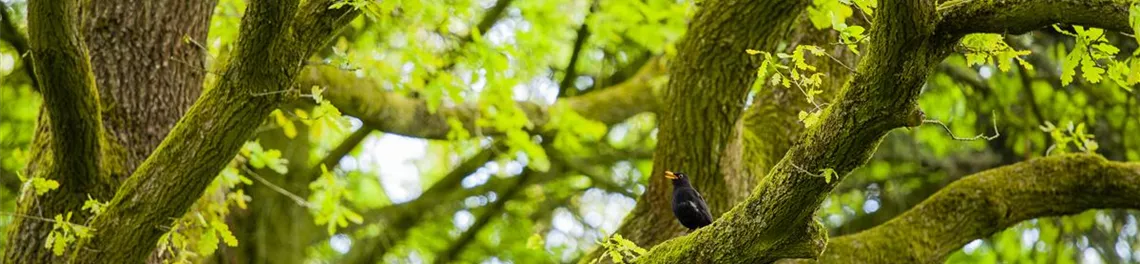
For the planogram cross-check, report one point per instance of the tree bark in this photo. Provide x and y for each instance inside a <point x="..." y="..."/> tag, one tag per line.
<point x="71" y="104"/>
<point x="775" y="222"/>
<point x="148" y="67"/>
<point x="274" y="41"/>
<point x="709" y="81"/>
<point x="985" y="203"/>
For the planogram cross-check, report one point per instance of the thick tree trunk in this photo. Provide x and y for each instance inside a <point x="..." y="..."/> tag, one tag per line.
<point x="148" y="67"/>
<point x="145" y="80"/>
<point x="709" y="82"/>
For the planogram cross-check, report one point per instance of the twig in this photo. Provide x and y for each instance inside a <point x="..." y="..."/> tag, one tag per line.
<point x="981" y="136"/>
<point x="838" y="61"/>
<point x="300" y="201"/>
<point x="804" y="171"/>
<point x="33" y="217"/>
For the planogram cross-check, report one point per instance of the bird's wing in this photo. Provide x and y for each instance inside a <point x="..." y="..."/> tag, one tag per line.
<point x="703" y="207"/>
<point x="696" y="203"/>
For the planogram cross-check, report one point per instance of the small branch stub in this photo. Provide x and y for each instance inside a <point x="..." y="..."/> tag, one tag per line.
<point x="915" y="118"/>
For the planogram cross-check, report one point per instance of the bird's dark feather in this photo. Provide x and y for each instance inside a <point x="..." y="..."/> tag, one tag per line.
<point x="684" y="199"/>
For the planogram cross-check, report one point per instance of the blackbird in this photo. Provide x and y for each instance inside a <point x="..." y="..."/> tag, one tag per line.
<point x="688" y="205"/>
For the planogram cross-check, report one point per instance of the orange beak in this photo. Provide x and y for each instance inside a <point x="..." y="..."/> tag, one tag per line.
<point x="670" y="175"/>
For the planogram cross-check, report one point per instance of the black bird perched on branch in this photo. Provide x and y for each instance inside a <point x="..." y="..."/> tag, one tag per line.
<point x="688" y="205"/>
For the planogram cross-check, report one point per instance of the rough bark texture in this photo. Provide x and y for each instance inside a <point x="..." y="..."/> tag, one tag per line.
<point x="211" y="133"/>
<point x="147" y="72"/>
<point x="270" y="51"/>
<point x="709" y="81"/>
<point x="982" y="204"/>
<point x="775" y="222"/>
<point x="1015" y="16"/>
<point x="71" y="104"/>
<point x="904" y="47"/>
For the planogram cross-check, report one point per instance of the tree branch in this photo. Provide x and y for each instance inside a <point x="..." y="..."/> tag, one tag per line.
<point x="394" y="113"/>
<point x="1018" y="16"/>
<point x="18" y="41"/>
<point x="316" y="22"/>
<point x="489" y="19"/>
<point x="266" y="60"/>
<point x="495" y="209"/>
<point x="982" y="204"/>
<point x="71" y="100"/>
<point x="776" y="217"/>
<point x="571" y="70"/>
<point x="776" y="221"/>
<point x="332" y="159"/>
<point x="699" y="132"/>
<point x="401" y="218"/>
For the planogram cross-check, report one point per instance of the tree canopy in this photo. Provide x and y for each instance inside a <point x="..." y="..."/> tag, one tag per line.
<point x="502" y="131"/>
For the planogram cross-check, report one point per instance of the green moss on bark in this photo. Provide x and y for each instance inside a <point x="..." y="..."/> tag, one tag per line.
<point x="980" y="205"/>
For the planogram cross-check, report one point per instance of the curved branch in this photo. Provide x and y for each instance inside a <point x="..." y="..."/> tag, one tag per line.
<point x="59" y="57"/>
<point x="1018" y="16"/>
<point x="776" y="219"/>
<point x="394" y="113"/>
<point x="267" y="58"/>
<point x="19" y="42"/>
<point x="981" y="204"/>
<point x="316" y="22"/>
<point x="571" y="72"/>
<point x="402" y="217"/>
<point x="492" y="211"/>
<point x="332" y="159"/>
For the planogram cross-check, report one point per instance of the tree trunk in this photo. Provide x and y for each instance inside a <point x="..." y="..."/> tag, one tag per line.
<point x="148" y="66"/>
<point x="699" y="133"/>
<point x="145" y="83"/>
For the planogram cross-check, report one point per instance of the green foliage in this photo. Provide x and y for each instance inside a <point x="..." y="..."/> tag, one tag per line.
<point x="1095" y="55"/>
<point x="573" y="129"/>
<point x="1077" y="136"/>
<point x="38" y="185"/>
<point x="325" y="119"/>
<point x="432" y="51"/>
<point x="990" y="48"/>
<point x="801" y="74"/>
<point x="261" y="158"/>
<point x="828" y="174"/>
<point x="834" y="14"/>
<point x="94" y="206"/>
<point x="197" y="235"/>
<point x="63" y="233"/>
<point x="328" y="191"/>
<point x="621" y="250"/>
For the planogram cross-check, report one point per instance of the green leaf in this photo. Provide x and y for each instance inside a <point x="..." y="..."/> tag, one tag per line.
<point x="316" y="91"/>
<point x="1134" y="19"/>
<point x="829" y="173"/>
<point x="207" y="243"/>
<point x="809" y="119"/>
<point x="286" y="125"/>
<point x="224" y="230"/>
<point x="535" y="241"/>
<point x="94" y="206"/>
<point x="42" y="186"/>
